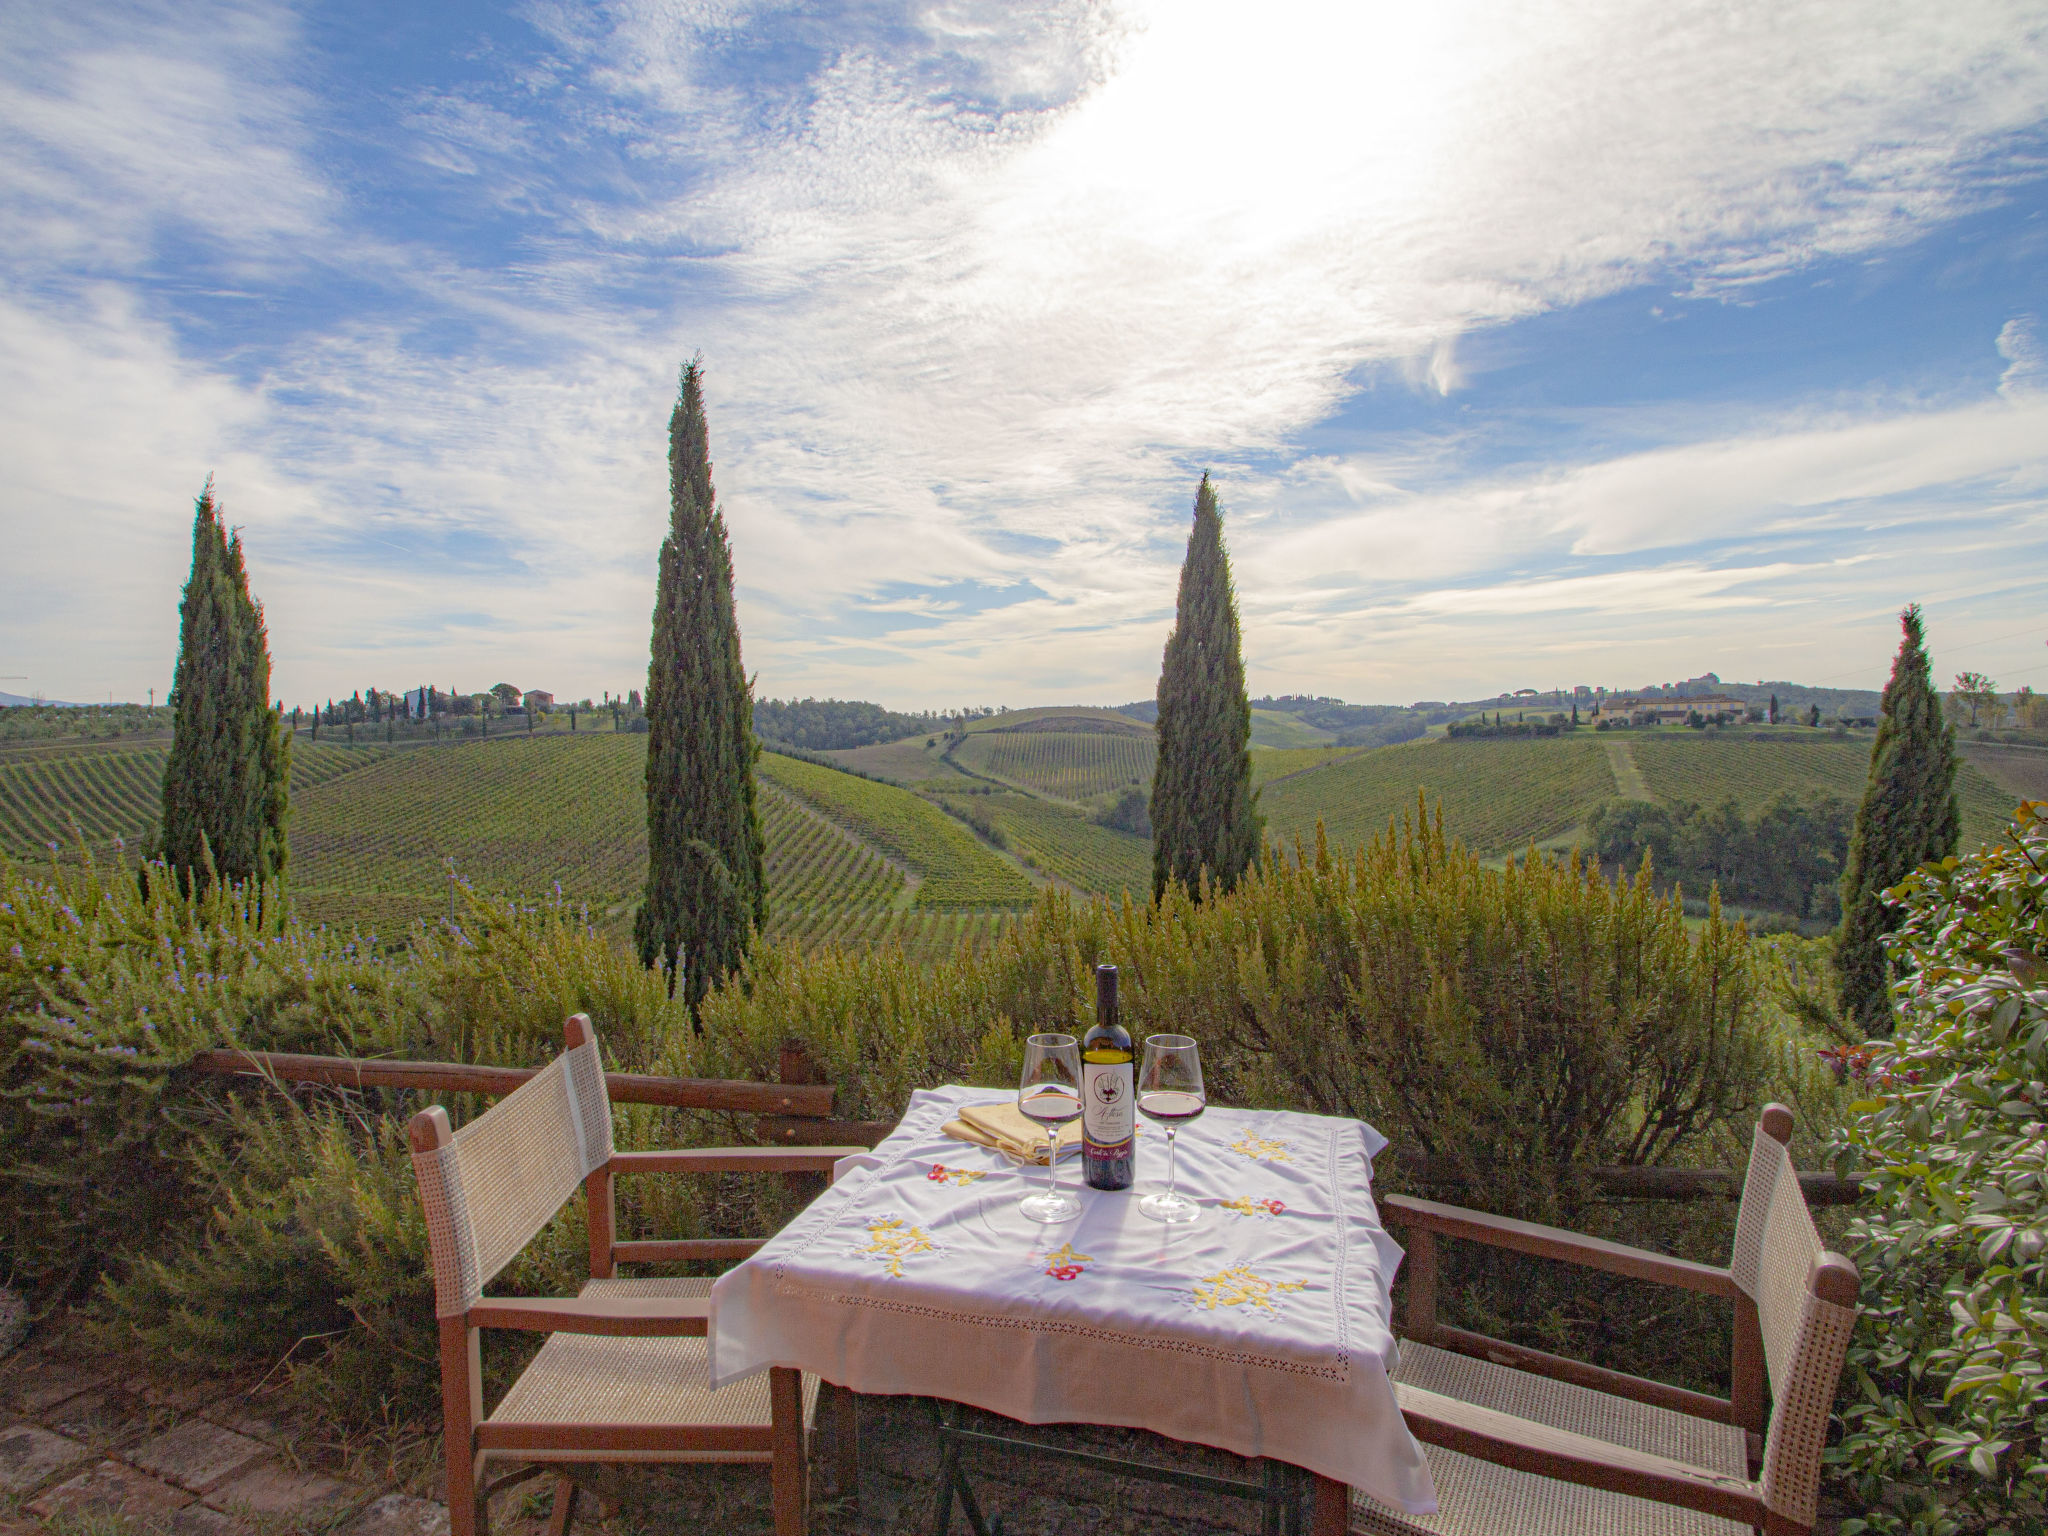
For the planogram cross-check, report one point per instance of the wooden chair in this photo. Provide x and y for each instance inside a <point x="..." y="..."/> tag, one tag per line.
<point x="1529" y="1443"/>
<point x="623" y="1374"/>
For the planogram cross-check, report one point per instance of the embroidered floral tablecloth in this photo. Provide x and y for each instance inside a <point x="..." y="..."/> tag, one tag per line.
<point x="1262" y="1328"/>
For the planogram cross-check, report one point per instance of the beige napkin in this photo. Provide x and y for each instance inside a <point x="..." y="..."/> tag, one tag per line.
<point x="1010" y="1131"/>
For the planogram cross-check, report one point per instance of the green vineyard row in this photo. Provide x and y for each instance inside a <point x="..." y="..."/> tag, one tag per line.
<point x="1064" y="765"/>
<point x="114" y="794"/>
<point x="1497" y="796"/>
<point x="956" y="870"/>
<point x="1067" y="846"/>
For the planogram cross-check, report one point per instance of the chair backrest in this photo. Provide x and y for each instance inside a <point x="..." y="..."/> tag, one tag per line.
<point x="492" y="1185"/>
<point x="1806" y="1307"/>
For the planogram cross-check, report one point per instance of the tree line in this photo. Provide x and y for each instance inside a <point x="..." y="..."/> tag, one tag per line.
<point x="1788" y="858"/>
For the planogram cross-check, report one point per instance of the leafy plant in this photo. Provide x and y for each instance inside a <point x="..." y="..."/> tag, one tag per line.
<point x="1950" y="1359"/>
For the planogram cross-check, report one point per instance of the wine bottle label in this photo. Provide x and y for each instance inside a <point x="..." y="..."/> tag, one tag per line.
<point x="1108" y="1102"/>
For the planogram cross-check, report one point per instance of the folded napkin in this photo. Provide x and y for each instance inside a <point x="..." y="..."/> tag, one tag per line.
<point x="1010" y="1131"/>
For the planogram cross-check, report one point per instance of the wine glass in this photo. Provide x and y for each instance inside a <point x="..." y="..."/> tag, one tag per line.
<point x="1170" y="1094"/>
<point x="1050" y="1093"/>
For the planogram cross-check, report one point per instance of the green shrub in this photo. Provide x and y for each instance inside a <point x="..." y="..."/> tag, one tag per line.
<point x="1518" y="1024"/>
<point x="1950" y="1358"/>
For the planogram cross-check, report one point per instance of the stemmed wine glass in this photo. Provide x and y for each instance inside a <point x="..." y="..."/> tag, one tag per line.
<point x="1170" y="1094"/>
<point x="1050" y="1093"/>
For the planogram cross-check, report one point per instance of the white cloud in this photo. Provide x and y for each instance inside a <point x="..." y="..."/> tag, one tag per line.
<point x="2026" y="365"/>
<point x="994" y="273"/>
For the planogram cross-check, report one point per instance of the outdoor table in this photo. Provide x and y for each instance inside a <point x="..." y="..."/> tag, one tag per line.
<point x="1263" y="1328"/>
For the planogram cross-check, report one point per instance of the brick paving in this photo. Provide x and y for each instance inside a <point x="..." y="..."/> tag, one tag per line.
<point x="79" y="1441"/>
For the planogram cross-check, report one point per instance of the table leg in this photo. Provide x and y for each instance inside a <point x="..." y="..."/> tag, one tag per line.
<point x="952" y="1481"/>
<point x="1332" y="1510"/>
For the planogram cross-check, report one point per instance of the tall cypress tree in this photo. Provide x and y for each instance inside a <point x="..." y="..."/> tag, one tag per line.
<point x="1910" y="814"/>
<point x="707" y="887"/>
<point x="227" y="779"/>
<point x="1203" y="810"/>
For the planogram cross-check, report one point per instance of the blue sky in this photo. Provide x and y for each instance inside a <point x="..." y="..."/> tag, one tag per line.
<point x="1530" y="344"/>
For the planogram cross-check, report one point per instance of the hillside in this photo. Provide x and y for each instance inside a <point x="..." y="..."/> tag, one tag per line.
<point x="974" y="821"/>
<point x="1752" y="769"/>
<point x="1497" y="795"/>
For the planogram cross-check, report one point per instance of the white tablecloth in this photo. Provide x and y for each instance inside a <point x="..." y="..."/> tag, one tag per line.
<point x="1262" y="1328"/>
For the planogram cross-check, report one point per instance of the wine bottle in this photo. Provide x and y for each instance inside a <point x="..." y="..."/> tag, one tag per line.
<point x="1108" y="1092"/>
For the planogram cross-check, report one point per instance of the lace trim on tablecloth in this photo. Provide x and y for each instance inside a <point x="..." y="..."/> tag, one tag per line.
<point x="1337" y="1370"/>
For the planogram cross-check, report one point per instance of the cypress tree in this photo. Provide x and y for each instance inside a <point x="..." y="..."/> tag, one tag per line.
<point x="1203" y="810"/>
<point x="226" y="781"/>
<point x="1909" y="815"/>
<point x="707" y="887"/>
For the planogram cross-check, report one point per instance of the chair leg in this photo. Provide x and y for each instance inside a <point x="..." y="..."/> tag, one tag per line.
<point x="461" y="1407"/>
<point x="786" y="1415"/>
<point x="846" y="1442"/>
<point x="565" y="1505"/>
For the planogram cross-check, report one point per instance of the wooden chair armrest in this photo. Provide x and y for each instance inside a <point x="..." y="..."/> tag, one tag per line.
<point x="1555" y="1243"/>
<point x="620" y="1316"/>
<point x="1527" y="1446"/>
<point x="732" y="1160"/>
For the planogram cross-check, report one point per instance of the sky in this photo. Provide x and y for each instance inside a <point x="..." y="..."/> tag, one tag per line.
<point x="1529" y="344"/>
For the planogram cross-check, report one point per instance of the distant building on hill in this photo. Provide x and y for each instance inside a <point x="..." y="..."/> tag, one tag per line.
<point x="1636" y="710"/>
<point x="539" y="700"/>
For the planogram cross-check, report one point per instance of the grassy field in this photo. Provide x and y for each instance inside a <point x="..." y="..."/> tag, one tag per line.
<point x="955" y="869"/>
<point x="2021" y="772"/>
<point x="1276" y="728"/>
<point x="1497" y="795"/>
<point x="904" y="762"/>
<point x="1691" y="765"/>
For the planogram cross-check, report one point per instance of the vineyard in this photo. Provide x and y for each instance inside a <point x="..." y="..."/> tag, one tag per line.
<point x="856" y="862"/>
<point x="1270" y="763"/>
<point x="902" y="762"/>
<point x="957" y="870"/>
<point x="1690" y="765"/>
<point x="1072" y="849"/>
<point x="1497" y="795"/>
<point x="113" y="792"/>
<point x="1065" y="765"/>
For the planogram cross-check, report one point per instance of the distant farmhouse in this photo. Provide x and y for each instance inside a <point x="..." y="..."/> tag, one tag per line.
<point x="539" y="700"/>
<point x="1631" y="710"/>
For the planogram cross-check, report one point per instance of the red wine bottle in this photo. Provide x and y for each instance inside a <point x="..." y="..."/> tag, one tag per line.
<point x="1108" y="1092"/>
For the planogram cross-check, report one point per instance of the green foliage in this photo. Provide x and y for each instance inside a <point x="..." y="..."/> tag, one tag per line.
<point x="1788" y="858"/>
<point x="22" y="723"/>
<point x="825" y="725"/>
<point x="226" y="786"/>
<point x="1127" y="811"/>
<point x="1950" y="1358"/>
<point x="1205" y="827"/>
<point x="1518" y="1022"/>
<point x="707" y="887"/>
<point x="1910" y="814"/>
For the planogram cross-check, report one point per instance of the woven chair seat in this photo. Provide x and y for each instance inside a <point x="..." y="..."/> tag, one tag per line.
<point x="584" y="1378"/>
<point x="1478" y="1498"/>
